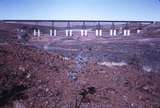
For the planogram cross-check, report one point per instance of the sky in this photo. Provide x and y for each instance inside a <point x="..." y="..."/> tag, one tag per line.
<point x="148" y="10"/>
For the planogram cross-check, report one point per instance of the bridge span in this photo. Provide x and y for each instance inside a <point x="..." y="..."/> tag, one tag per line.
<point x="99" y="27"/>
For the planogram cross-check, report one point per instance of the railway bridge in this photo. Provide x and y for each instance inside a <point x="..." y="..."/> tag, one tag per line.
<point x="99" y="27"/>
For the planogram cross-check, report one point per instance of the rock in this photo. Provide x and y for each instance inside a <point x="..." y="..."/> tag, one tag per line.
<point x="111" y="90"/>
<point x="147" y="68"/>
<point x="146" y="87"/>
<point x="21" y="68"/>
<point x="66" y="58"/>
<point x="31" y="103"/>
<point x="46" y="102"/>
<point x="47" y="78"/>
<point x="18" y="104"/>
<point x="47" y="89"/>
<point x="28" y="76"/>
<point x="40" y="87"/>
<point x="72" y="76"/>
<point x="133" y="105"/>
<point x="39" y="81"/>
<point x="125" y="98"/>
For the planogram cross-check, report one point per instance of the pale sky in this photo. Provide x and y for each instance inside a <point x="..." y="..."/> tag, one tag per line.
<point x="80" y="9"/>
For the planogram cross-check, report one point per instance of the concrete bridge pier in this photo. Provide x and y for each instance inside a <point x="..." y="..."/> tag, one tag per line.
<point x="138" y="31"/>
<point x="85" y="32"/>
<point x="99" y="32"/>
<point x="69" y="32"/>
<point x="126" y="32"/>
<point x="113" y="32"/>
<point x="82" y="32"/>
<point x="53" y="32"/>
<point x="34" y="32"/>
<point x="39" y="33"/>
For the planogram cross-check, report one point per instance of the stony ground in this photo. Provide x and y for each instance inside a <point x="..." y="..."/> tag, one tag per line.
<point x="34" y="77"/>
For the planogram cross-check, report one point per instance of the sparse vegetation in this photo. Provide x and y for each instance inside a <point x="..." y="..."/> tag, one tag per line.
<point x="35" y="78"/>
<point x="84" y="93"/>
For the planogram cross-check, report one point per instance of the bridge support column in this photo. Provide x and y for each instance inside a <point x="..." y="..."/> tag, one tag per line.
<point x="138" y="31"/>
<point x="39" y="33"/>
<point x="82" y="32"/>
<point x="126" y="32"/>
<point x="113" y="32"/>
<point x="68" y="32"/>
<point x="51" y="32"/>
<point x="55" y="32"/>
<point x="34" y="32"/>
<point x="85" y="32"/>
<point x="99" y="32"/>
